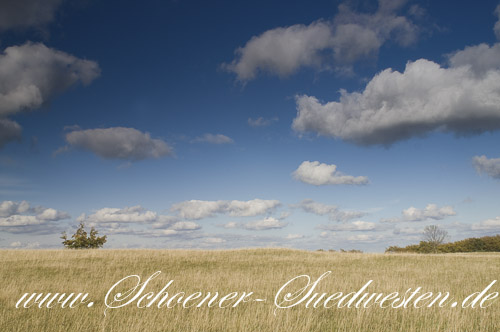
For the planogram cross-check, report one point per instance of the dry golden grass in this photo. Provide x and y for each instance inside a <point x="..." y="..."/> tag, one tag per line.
<point x="262" y="271"/>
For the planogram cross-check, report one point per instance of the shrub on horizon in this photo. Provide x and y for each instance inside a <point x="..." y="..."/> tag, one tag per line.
<point x="82" y="240"/>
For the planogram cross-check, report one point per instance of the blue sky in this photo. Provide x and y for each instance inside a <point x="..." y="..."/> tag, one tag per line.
<point x="188" y="124"/>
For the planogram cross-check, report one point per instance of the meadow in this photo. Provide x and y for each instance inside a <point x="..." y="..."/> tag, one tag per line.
<point x="262" y="271"/>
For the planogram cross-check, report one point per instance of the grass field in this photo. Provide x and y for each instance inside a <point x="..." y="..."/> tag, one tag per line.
<point x="262" y="271"/>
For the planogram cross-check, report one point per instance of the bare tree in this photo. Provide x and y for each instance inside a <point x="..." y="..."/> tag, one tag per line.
<point x="434" y="236"/>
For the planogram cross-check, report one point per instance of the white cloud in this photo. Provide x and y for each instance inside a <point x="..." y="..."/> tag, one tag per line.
<point x="124" y="229"/>
<point x="261" y="122"/>
<point x="369" y="238"/>
<point x="213" y="240"/>
<point x="396" y="106"/>
<point x="480" y="58"/>
<point x="52" y="215"/>
<point x="20" y="220"/>
<point x="19" y="214"/>
<point x="488" y="224"/>
<point x="281" y="51"/>
<point x="22" y="14"/>
<point x="408" y="231"/>
<point x="9" y="208"/>
<point x="163" y="221"/>
<point x="134" y="214"/>
<point x="285" y="214"/>
<point x="431" y="211"/>
<point x="489" y="166"/>
<point x="358" y="225"/>
<point x="325" y="234"/>
<point x="316" y="173"/>
<point x="165" y="232"/>
<point x="230" y="224"/>
<point x="196" y="209"/>
<point x="185" y="226"/>
<point x="462" y="98"/>
<point x="294" y="236"/>
<point x="213" y="139"/>
<point x="32" y="74"/>
<point x="350" y="36"/>
<point x="138" y="221"/>
<point x="16" y="244"/>
<point x="251" y="208"/>
<point x="119" y="143"/>
<point x="9" y="131"/>
<point x="332" y="211"/>
<point x="265" y="224"/>
<point x="29" y="245"/>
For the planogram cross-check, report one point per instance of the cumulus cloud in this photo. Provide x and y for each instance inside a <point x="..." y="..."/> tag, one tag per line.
<point x="479" y="58"/>
<point x="281" y="51"/>
<point x="119" y="143"/>
<point x="138" y="221"/>
<point x="50" y="214"/>
<point x="163" y="221"/>
<point x="326" y="234"/>
<point x="16" y="244"/>
<point x="213" y="139"/>
<point x="179" y="231"/>
<point x="368" y="238"/>
<point x="294" y="236"/>
<point x="332" y="211"/>
<point x="358" y="225"/>
<point x="32" y="74"/>
<point x="9" y="208"/>
<point x="185" y="226"/>
<point x="316" y="173"/>
<point x="488" y="224"/>
<point x="396" y="106"/>
<point x="134" y="214"/>
<point x="196" y="209"/>
<point x="230" y="224"/>
<point x="407" y="231"/>
<point x="22" y="14"/>
<point x="431" y="211"/>
<point x="213" y="240"/>
<point x="21" y="245"/>
<point x="349" y="37"/>
<point x="261" y="122"/>
<point x="462" y="98"/>
<point x="259" y="225"/>
<point x="20" y="220"/>
<point x="251" y="208"/>
<point x="9" y="131"/>
<point x="20" y="214"/>
<point x="489" y="166"/>
<point x="265" y="224"/>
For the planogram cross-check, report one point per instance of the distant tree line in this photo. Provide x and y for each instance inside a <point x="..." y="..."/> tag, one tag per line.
<point x="473" y="244"/>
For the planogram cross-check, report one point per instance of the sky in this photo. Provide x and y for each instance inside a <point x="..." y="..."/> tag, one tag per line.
<point x="235" y="124"/>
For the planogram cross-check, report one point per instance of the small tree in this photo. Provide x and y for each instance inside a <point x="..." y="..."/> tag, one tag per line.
<point x="82" y="240"/>
<point x="434" y="236"/>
